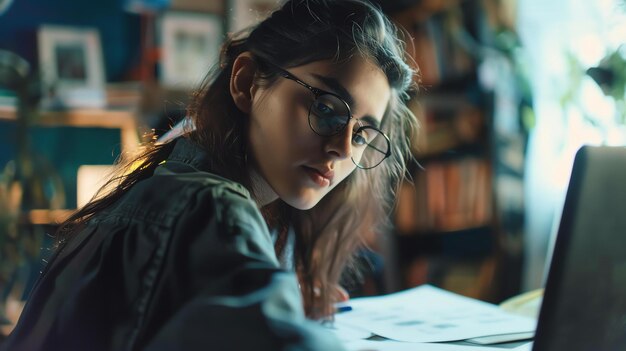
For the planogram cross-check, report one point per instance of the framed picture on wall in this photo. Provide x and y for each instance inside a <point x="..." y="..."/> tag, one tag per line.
<point x="72" y="69"/>
<point x="190" y="46"/>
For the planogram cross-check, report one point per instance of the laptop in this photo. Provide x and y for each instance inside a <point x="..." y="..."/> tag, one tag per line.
<point x="584" y="306"/>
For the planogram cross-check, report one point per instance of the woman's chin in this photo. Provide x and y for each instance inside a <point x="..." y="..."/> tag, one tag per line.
<point x="303" y="202"/>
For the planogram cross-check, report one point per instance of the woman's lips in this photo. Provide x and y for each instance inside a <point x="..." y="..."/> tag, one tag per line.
<point x="322" y="179"/>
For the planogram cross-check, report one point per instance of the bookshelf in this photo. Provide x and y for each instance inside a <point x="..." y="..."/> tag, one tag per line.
<point x="446" y="229"/>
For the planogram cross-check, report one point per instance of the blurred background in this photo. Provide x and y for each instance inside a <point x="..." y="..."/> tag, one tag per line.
<point x="510" y="89"/>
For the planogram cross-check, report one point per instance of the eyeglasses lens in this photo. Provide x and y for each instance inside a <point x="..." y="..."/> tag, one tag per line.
<point x="328" y="115"/>
<point x="370" y="147"/>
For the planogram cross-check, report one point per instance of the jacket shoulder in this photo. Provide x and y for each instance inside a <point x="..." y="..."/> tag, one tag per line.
<point x="163" y="197"/>
<point x="199" y="179"/>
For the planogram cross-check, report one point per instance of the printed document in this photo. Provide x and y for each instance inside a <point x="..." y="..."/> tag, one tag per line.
<point x="427" y="314"/>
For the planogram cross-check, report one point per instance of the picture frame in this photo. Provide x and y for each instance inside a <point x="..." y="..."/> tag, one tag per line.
<point x="72" y="69"/>
<point x="190" y="46"/>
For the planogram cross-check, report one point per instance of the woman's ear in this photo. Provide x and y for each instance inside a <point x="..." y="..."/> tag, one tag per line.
<point x="242" y="81"/>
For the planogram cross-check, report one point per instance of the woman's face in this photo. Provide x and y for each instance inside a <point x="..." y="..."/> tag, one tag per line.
<point x="293" y="162"/>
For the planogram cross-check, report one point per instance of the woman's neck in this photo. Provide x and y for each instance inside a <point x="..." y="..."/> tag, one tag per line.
<point x="263" y="192"/>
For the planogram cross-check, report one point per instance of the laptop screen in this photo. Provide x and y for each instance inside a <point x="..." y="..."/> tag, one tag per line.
<point x="584" y="306"/>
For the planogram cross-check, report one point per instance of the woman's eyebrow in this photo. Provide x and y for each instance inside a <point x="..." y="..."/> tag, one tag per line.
<point x="343" y="92"/>
<point x="370" y="121"/>
<point x="338" y="88"/>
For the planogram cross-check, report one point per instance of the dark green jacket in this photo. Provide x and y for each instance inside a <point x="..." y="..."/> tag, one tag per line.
<point x="183" y="261"/>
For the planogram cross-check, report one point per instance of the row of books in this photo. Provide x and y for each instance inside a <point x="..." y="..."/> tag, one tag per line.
<point x="445" y="196"/>
<point x="438" y="48"/>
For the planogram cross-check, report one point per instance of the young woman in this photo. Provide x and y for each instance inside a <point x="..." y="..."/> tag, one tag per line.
<point x="228" y="237"/>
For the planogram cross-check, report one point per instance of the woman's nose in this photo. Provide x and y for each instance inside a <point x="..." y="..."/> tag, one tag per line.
<point x="339" y="146"/>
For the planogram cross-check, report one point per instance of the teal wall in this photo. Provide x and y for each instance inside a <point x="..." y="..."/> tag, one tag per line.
<point x="65" y="148"/>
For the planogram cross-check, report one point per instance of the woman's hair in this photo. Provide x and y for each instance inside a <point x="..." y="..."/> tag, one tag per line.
<point x="299" y="32"/>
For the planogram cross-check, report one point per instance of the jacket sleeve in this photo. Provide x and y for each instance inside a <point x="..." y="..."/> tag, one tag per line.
<point x="238" y="297"/>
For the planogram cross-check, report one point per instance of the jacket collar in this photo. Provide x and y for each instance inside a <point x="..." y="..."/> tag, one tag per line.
<point x="187" y="152"/>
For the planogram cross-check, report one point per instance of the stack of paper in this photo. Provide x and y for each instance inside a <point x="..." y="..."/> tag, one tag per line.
<point x="426" y="315"/>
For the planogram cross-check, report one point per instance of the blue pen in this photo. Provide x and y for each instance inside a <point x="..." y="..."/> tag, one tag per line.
<point x="342" y="307"/>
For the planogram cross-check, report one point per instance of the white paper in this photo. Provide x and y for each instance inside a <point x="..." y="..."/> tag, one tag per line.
<point x="345" y="332"/>
<point x="496" y="339"/>
<point x="525" y="347"/>
<point x="429" y="314"/>
<point x="386" y="345"/>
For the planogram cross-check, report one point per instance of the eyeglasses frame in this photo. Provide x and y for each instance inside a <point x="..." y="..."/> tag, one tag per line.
<point x="319" y="92"/>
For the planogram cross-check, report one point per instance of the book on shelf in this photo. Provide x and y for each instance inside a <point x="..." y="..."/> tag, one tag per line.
<point x="437" y="48"/>
<point x="423" y="54"/>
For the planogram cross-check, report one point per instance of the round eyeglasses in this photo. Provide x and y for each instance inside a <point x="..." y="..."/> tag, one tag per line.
<point x="329" y="115"/>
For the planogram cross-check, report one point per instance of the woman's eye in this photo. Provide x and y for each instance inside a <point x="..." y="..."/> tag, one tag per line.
<point x="323" y="109"/>
<point x="359" y="139"/>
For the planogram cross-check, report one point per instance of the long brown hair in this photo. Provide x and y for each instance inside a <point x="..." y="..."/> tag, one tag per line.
<point x="299" y="32"/>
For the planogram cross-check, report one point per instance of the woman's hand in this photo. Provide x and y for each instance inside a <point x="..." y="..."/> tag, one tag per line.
<point x="340" y="294"/>
<point x="337" y="295"/>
